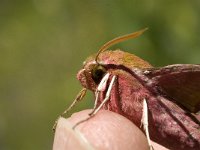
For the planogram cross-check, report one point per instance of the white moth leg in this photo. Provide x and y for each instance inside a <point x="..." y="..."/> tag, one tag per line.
<point x="144" y="122"/>
<point x="101" y="87"/>
<point x="96" y="99"/>
<point x="107" y="96"/>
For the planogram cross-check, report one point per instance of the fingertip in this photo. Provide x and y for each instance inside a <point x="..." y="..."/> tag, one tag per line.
<point x="106" y="130"/>
<point x="66" y="138"/>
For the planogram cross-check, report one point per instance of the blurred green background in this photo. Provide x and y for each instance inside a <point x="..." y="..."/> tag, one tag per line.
<point x="44" y="42"/>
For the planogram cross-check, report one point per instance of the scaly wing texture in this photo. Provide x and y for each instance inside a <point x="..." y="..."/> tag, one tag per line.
<point x="181" y="82"/>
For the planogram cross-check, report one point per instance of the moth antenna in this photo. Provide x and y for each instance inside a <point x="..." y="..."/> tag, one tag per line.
<point x="118" y="40"/>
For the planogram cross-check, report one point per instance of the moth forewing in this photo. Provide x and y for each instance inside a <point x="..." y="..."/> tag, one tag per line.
<point x="180" y="82"/>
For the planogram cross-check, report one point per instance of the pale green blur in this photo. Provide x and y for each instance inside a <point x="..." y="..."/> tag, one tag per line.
<point x="44" y="42"/>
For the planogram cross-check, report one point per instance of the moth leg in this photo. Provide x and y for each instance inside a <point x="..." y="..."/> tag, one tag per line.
<point x="145" y="124"/>
<point x="99" y="107"/>
<point x="78" y="98"/>
<point x="95" y="102"/>
<point x="107" y="96"/>
<point x="96" y="99"/>
<point x="101" y="87"/>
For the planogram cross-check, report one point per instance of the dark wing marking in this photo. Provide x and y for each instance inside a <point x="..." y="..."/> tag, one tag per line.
<point x="181" y="82"/>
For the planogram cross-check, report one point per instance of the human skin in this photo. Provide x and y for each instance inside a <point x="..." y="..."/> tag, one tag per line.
<point x="106" y="130"/>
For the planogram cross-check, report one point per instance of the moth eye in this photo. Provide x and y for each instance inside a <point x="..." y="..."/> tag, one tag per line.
<point x="98" y="73"/>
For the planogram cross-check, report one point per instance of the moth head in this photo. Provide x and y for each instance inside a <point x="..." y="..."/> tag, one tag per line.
<point x="91" y="74"/>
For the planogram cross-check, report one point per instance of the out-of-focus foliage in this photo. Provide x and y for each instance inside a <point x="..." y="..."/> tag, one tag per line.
<point x="44" y="42"/>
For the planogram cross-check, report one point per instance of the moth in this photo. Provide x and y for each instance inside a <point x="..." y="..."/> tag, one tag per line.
<point x="164" y="100"/>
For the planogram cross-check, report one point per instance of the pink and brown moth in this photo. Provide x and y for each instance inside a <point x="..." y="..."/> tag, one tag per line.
<point x="163" y="99"/>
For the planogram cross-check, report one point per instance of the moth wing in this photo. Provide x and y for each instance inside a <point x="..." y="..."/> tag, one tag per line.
<point x="181" y="82"/>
